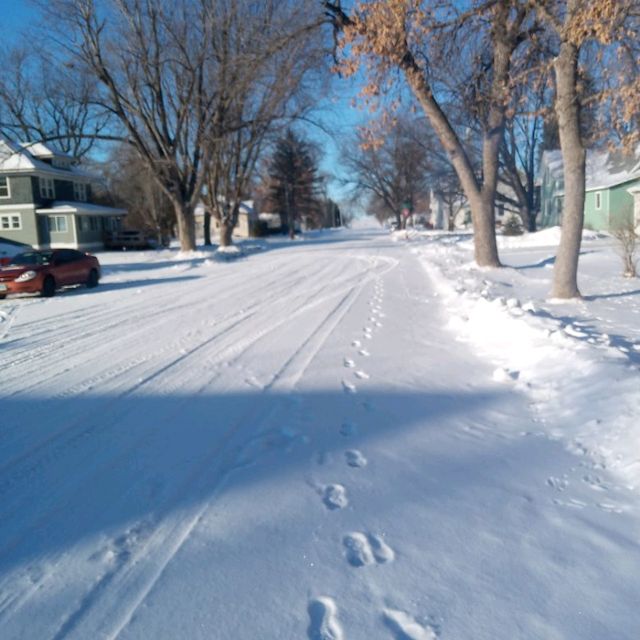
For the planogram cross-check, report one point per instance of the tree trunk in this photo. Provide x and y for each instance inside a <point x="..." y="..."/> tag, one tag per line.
<point x="207" y="228"/>
<point x="482" y="209"/>
<point x="565" y="272"/>
<point x="226" y="232"/>
<point x="186" y="226"/>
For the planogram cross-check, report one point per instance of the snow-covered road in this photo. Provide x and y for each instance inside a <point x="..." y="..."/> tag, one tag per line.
<point x="289" y="446"/>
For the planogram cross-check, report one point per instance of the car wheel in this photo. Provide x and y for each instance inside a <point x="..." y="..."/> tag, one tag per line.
<point x="3" y="296"/>
<point x="49" y="287"/>
<point x="92" y="280"/>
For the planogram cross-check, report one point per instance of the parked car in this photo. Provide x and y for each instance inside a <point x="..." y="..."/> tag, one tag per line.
<point x="45" y="271"/>
<point x="10" y="248"/>
<point x="128" y="239"/>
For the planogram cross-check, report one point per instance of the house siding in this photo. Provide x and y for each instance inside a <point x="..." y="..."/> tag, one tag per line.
<point x="20" y="190"/>
<point x="621" y="204"/>
<point x="596" y="219"/>
<point x="29" y="229"/>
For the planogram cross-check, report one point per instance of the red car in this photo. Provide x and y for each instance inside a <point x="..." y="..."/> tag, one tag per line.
<point x="45" y="271"/>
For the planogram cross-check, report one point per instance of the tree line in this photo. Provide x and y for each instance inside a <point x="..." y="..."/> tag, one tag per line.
<point x="480" y="70"/>
<point x="196" y="90"/>
<point x="191" y="92"/>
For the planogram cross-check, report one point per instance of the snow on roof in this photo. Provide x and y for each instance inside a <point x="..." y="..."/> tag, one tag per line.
<point x="16" y="158"/>
<point x="81" y="209"/>
<point x="42" y="150"/>
<point x="604" y="169"/>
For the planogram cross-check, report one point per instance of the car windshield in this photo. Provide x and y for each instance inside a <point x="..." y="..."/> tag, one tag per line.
<point x="31" y="258"/>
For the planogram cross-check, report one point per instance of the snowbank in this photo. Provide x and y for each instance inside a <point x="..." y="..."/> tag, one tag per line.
<point x="582" y="380"/>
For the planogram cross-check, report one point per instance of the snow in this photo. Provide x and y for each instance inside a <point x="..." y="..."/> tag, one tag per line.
<point x="348" y="437"/>
<point x="604" y="169"/>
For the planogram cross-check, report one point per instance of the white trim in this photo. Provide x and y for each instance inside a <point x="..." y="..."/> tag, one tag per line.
<point x="4" y="207"/>
<point x="57" y="245"/>
<point x="9" y="217"/>
<point x="75" y="231"/>
<point x="8" y="188"/>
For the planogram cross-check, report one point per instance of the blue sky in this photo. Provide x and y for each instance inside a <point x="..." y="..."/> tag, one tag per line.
<point x="16" y="15"/>
<point x="335" y="112"/>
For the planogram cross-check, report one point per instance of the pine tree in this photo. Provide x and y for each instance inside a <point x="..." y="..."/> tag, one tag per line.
<point x="295" y="186"/>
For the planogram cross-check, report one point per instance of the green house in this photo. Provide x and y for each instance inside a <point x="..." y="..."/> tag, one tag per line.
<point x="612" y="196"/>
<point x="46" y="200"/>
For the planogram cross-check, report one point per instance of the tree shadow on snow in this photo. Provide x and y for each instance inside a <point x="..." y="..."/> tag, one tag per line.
<point x="82" y="468"/>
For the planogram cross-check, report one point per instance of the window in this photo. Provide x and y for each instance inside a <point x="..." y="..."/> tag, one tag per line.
<point x="47" y="188"/>
<point x="93" y="223"/>
<point x="80" y="223"/>
<point x="80" y="191"/>
<point x="5" y="191"/>
<point x="598" y="199"/>
<point x="58" y="224"/>
<point x="10" y="222"/>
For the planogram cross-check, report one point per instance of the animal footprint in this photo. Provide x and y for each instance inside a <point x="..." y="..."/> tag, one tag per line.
<point x="364" y="549"/>
<point x="559" y="484"/>
<point x="355" y="458"/>
<point x="404" y="627"/>
<point x="361" y="375"/>
<point x="334" y="497"/>
<point x="356" y="344"/>
<point x="364" y="352"/>
<point x="349" y="387"/>
<point x="358" y="550"/>
<point x="381" y="550"/>
<point x="349" y="363"/>
<point x="595" y="482"/>
<point x="324" y="623"/>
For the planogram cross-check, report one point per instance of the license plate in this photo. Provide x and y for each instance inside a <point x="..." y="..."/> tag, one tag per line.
<point x="3" y="287"/>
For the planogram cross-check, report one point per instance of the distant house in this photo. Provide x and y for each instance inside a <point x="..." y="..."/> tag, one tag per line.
<point x="46" y="201"/>
<point x="247" y="220"/>
<point x="612" y="194"/>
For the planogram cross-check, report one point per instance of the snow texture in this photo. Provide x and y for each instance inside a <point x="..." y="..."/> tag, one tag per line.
<point x="346" y="438"/>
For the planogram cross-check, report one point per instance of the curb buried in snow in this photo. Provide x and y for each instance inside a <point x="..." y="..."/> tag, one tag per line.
<point x="545" y="358"/>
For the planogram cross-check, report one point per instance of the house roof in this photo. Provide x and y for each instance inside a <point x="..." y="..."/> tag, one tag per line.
<point x="246" y="207"/>
<point x="43" y="151"/>
<point x="27" y="158"/>
<point x="80" y="209"/>
<point x="605" y="169"/>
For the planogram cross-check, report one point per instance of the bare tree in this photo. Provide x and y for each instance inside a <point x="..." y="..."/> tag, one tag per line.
<point x="575" y="25"/>
<point x="393" y="174"/>
<point x="279" y="93"/>
<point x="42" y="101"/>
<point x="167" y="73"/>
<point x="130" y="184"/>
<point x="414" y="37"/>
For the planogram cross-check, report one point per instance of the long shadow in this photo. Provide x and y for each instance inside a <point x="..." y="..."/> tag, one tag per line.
<point x="547" y="261"/>
<point x="609" y="296"/>
<point x="592" y="333"/>
<point x="80" y="468"/>
<point x="537" y="265"/>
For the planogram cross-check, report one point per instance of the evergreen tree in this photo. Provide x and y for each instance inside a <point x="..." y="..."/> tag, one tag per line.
<point x="295" y="186"/>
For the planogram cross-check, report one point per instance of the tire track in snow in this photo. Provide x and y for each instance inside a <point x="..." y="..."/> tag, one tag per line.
<point x="277" y="378"/>
<point x="142" y="572"/>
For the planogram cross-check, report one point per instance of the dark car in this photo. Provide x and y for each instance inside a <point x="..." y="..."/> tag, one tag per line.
<point x="45" y="271"/>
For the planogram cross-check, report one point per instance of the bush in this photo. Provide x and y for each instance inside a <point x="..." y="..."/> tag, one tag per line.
<point x="512" y="227"/>
<point x="628" y="240"/>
